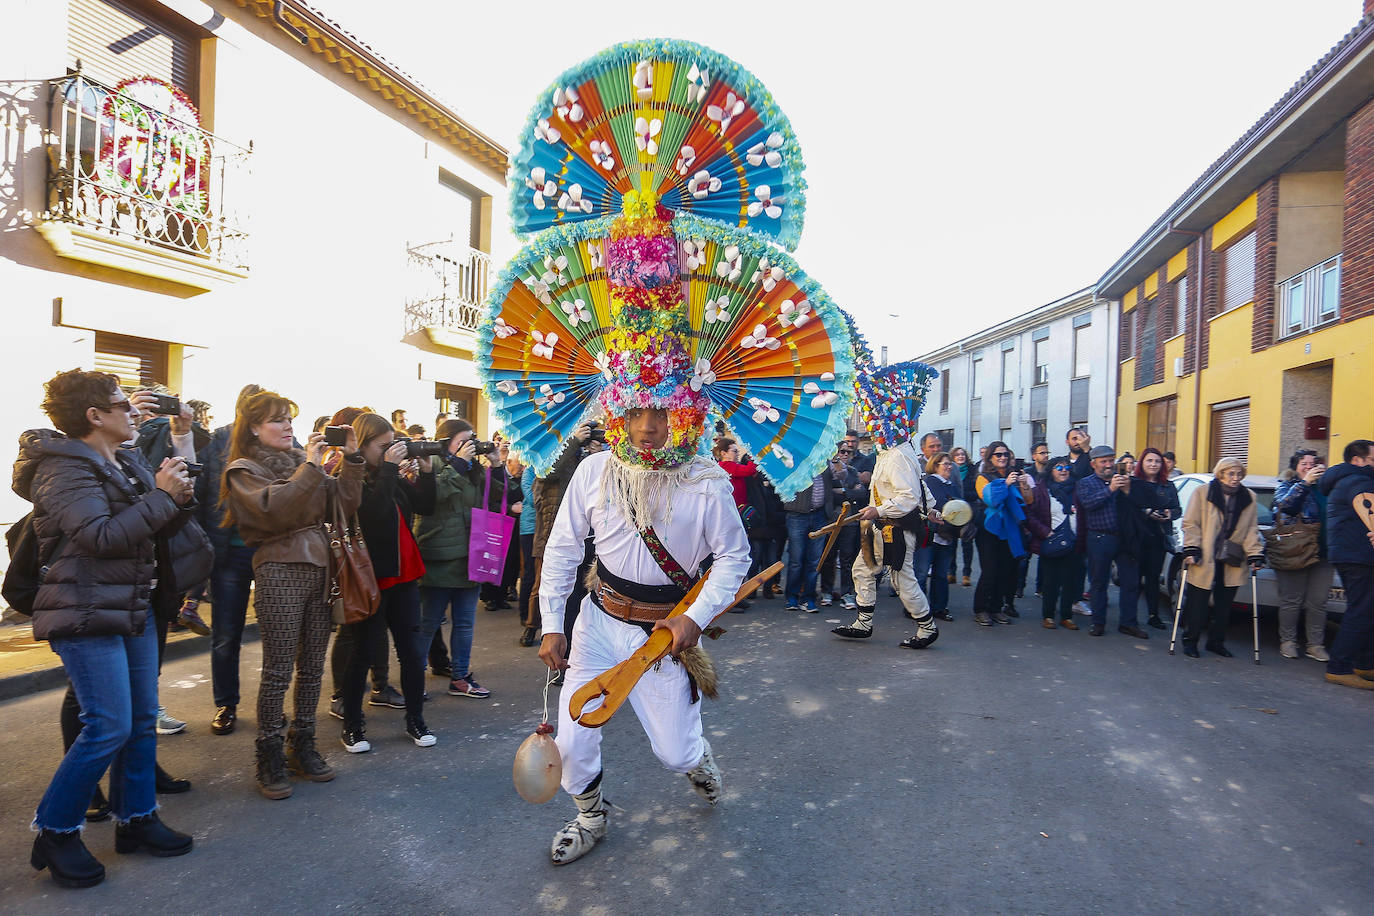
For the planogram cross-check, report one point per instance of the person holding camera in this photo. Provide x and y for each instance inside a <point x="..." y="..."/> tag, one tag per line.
<point x="1156" y="501"/>
<point x="1002" y="490"/>
<point x="443" y="535"/>
<point x="386" y="516"/>
<point x="942" y="480"/>
<point x="1298" y="500"/>
<point x="278" y="497"/>
<point x="107" y="526"/>
<point x="1055" y="541"/>
<point x="1220" y="538"/>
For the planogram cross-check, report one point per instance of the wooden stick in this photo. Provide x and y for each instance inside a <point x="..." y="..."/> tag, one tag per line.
<point x="615" y="684"/>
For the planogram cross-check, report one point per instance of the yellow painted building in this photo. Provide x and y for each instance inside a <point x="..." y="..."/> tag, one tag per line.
<point x="1247" y="314"/>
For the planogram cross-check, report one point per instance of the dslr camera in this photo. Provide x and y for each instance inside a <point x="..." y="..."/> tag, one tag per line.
<point x="421" y="448"/>
<point x="193" y="469"/>
<point x="598" y="434"/>
<point x="482" y="448"/>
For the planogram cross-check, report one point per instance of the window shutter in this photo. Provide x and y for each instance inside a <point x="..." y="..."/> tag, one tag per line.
<point x="1078" y="400"/>
<point x="136" y="361"/>
<point x="1238" y="273"/>
<point x="115" y="41"/>
<point x="1231" y="432"/>
<point x="1039" y="402"/>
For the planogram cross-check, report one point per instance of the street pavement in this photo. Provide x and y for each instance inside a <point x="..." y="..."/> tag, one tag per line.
<point x="1005" y="770"/>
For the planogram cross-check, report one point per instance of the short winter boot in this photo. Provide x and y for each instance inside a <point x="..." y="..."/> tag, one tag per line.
<point x="99" y="808"/>
<point x="70" y="862"/>
<point x="303" y="759"/>
<point x="148" y="832"/>
<point x="580" y="834"/>
<point x="705" y="776"/>
<point x="861" y="628"/>
<point x="272" y="781"/>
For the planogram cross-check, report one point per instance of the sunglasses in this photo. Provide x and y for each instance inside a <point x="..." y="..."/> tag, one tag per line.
<point x="1001" y="454"/>
<point x="846" y="451"/>
<point x="1062" y="467"/>
<point x="123" y="405"/>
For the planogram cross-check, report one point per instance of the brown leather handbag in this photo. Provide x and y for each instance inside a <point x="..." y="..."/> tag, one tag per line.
<point x="353" y="591"/>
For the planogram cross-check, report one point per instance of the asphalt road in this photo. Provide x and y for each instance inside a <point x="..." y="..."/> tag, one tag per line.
<point x="1006" y="770"/>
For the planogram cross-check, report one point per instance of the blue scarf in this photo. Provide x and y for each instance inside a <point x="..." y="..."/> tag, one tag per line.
<point x="1003" y="514"/>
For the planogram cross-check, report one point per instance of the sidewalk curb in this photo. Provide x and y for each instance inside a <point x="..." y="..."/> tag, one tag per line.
<point x="30" y="682"/>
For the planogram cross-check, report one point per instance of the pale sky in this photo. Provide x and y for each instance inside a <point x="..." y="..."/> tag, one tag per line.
<point x="966" y="161"/>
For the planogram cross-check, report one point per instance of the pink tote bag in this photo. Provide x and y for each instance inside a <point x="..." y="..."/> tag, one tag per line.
<point x="489" y="538"/>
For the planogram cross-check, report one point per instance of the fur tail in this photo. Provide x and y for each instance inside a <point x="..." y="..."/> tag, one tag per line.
<point x="702" y="670"/>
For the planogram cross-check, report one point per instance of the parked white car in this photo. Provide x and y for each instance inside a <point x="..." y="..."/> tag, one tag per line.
<point x="1263" y="488"/>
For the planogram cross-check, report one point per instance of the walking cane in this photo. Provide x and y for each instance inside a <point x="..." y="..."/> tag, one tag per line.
<point x="1254" y="602"/>
<point x="1178" y="611"/>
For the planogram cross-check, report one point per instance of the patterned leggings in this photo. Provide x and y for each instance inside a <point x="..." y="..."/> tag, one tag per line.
<point x="294" y="622"/>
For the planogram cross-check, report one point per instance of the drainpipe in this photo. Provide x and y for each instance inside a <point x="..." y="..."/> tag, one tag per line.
<point x="1197" y="334"/>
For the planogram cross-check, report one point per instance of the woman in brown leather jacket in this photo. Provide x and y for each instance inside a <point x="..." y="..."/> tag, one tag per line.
<point x="278" y="496"/>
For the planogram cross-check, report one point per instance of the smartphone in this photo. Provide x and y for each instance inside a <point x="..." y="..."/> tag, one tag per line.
<point x="168" y="405"/>
<point x="336" y="435"/>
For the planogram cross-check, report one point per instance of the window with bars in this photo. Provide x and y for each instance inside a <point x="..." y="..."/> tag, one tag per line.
<point x="1238" y="272"/>
<point x="1310" y="299"/>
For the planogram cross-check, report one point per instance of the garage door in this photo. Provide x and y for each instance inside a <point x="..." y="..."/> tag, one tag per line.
<point x="1231" y="430"/>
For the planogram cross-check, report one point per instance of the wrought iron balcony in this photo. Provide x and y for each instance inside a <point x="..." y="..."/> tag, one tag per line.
<point x="450" y="287"/>
<point x="142" y="188"/>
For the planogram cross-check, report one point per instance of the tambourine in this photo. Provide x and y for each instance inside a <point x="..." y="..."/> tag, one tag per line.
<point x="957" y="512"/>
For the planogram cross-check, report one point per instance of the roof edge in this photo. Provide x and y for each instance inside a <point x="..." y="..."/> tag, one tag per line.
<point x="1064" y="305"/>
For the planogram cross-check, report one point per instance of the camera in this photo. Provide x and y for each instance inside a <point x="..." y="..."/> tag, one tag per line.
<point x="483" y="448"/>
<point x="193" y="469"/>
<point x="597" y="434"/>
<point x="168" y="405"/>
<point x="421" y="448"/>
<point x="1019" y="465"/>
<point x="336" y="435"/>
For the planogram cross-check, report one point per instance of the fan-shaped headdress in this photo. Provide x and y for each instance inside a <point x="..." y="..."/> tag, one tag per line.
<point x="891" y="399"/>
<point x="658" y="175"/>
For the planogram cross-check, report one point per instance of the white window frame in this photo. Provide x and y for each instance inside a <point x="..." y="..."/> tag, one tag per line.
<point x="1309" y="285"/>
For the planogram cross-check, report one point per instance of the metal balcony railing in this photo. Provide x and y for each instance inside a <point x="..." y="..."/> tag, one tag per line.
<point x="140" y="174"/>
<point x="450" y="286"/>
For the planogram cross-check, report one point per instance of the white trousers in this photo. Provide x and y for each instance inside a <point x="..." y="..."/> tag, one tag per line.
<point x="903" y="579"/>
<point x="661" y="700"/>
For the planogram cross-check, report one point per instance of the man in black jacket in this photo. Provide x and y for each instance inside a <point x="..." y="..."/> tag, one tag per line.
<point x="1350" y="546"/>
<point x="845" y="486"/>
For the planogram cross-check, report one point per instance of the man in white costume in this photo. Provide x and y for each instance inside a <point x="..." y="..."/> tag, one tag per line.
<point x="896" y="491"/>
<point x="690" y="511"/>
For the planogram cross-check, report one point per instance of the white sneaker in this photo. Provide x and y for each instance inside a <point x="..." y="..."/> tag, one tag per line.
<point x="1318" y="653"/>
<point x="168" y="725"/>
<point x="705" y="777"/>
<point x="827" y="599"/>
<point x="1082" y="609"/>
<point x="1288" y="649"/>
<point x="849" y="602"/>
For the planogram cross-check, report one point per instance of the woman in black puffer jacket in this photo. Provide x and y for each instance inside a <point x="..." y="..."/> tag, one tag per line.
<point x="116" y="538"/>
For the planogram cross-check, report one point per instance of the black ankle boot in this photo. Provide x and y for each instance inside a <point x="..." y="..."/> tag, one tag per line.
<point x="169" y="785"/>
<point x="148" y="832"/>
<point x="99" y="808"/>
<point x="70" y="862"/>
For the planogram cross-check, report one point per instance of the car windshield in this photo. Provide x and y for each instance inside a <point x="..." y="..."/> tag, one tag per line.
<point x="1263" y="494"/>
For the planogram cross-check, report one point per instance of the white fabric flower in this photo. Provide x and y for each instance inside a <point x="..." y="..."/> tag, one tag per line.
<point x="769" y="274"/>
<point x="603" y="362"/>
<point x="566" y="102"/>
<point x="644" y="79"/>
<point x="822" y="398"/>
<point x="596" y="255"/>
<point x="759" y="340"/>
<point x="827" y="376"/>
<point x="698" y="84"/>
<point x="702" y="375"/>
<point x="724" y="113"/>
<point x="693" y="254"/>
<point x="784" y="456"/>
<point x="544" y="344"/>
<point x="507" y="387"/>
<point x="729" y="268"/>
<point x="685" y="157"/>
<point x="540" y="290"/>
<point x="548" y="396"/>
<point x="544" y="187"/>
<point x="766" y="151"/>
<point x="794" y="314"/>
<point x="763" y="411"/>
<point x="601" y="154"/>
<point x="716" y="310"/>
<point x="645" y="132"/>
<point x="766" y="202"/>
<point x="501" y="329"/>
<point x="553" y="270"/>
<point x="701" y="184"/>
<point x="571" y="200"/>
<point x="576" y="310"/>
<point x="544" y="132"/>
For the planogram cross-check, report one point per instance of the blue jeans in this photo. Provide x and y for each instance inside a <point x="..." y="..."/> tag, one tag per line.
<point x="231" y="581"/>
<point x="1353" y="646"/>
<point x="921" y="559"/>
<point x="115" y="678"/>
<point x="1103" y="550"/>
<point x="803" y="555"/>
<point x="434" y="603"/>
<point x="941" y="560"/>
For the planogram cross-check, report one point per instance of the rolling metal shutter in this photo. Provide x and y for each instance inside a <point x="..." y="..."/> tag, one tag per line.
<point x="1079" y="392"/>
<point x="115" y="41"/>
<point x="136" y="361"/>
<point x="1231" y="430"/>
<point x="1238" y="273"/>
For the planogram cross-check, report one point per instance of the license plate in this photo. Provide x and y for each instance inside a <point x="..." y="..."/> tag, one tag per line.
<point x="1335" y="594"/>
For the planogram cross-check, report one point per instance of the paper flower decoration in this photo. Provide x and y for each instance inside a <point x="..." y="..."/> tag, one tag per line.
<point x="503" y="330"/>
<point x="565" y="101"/>
<point x="769" y="274"/>
<point x="701" y="184"/>
<point x="698" y="84"/>
<point x="544" y="344"/>
<point x="576" y="310"/>
<point x="729" y="267"/>
<point x="544" y="187"/>
<point x="646" y="132"/>
<point x="732" y="108"/>
<point x="716" y="310"/>
<point x="602" y="154"/>
<point x="702" y="375"/>
<point x="763" y="411"/>
<point x="794" y="314"/>
<point x="759" y="340"/>
<point x="767" y="151"/>
<point x="766" y="203"/>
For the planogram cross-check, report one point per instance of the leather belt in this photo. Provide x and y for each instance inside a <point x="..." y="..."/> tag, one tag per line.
<point x="628" y="610"/>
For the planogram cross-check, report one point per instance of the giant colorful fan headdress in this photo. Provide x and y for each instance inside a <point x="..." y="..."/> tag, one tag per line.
<point x="891" y="399"/>
<point x="659" y="175"/>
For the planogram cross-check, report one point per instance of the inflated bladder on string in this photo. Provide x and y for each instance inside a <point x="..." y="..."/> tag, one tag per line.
<point x="538" y="767"/>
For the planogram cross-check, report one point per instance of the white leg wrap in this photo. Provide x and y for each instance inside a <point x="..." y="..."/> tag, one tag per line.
<point x="705" y="776"/>
<point x="580" y="834"/>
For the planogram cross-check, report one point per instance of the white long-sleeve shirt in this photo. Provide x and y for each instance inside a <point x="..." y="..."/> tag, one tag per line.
<point x="897" y="484"/>
<point x="705" y="522"/>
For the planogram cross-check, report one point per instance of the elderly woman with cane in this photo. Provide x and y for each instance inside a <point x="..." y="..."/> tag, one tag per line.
<point x="1220" y="537"/>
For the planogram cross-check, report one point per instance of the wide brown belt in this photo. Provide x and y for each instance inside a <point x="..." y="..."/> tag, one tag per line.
<point x="627" y="609"/>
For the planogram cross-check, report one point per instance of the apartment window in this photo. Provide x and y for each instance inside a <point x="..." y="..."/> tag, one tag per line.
<point x="1148" y="324"/>
<point x="1082" y="351"/>
<point x="946" y="439"/>
<point x="1312" y="298"/>
<point x="977" y="380"/>
<point x="1042" y="362"/>
<point x="944" y="391"/>
<point x="1038" y="430"/>
<point x="136" y="361"/>
<point x="1005" y="434"/>
<point x="1161" y="421"/>
<point x="1238" y="272"/>
<point x="1180" y="304"/>
<point x="1008" y="370"/>
<point x="115" y="40"/>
